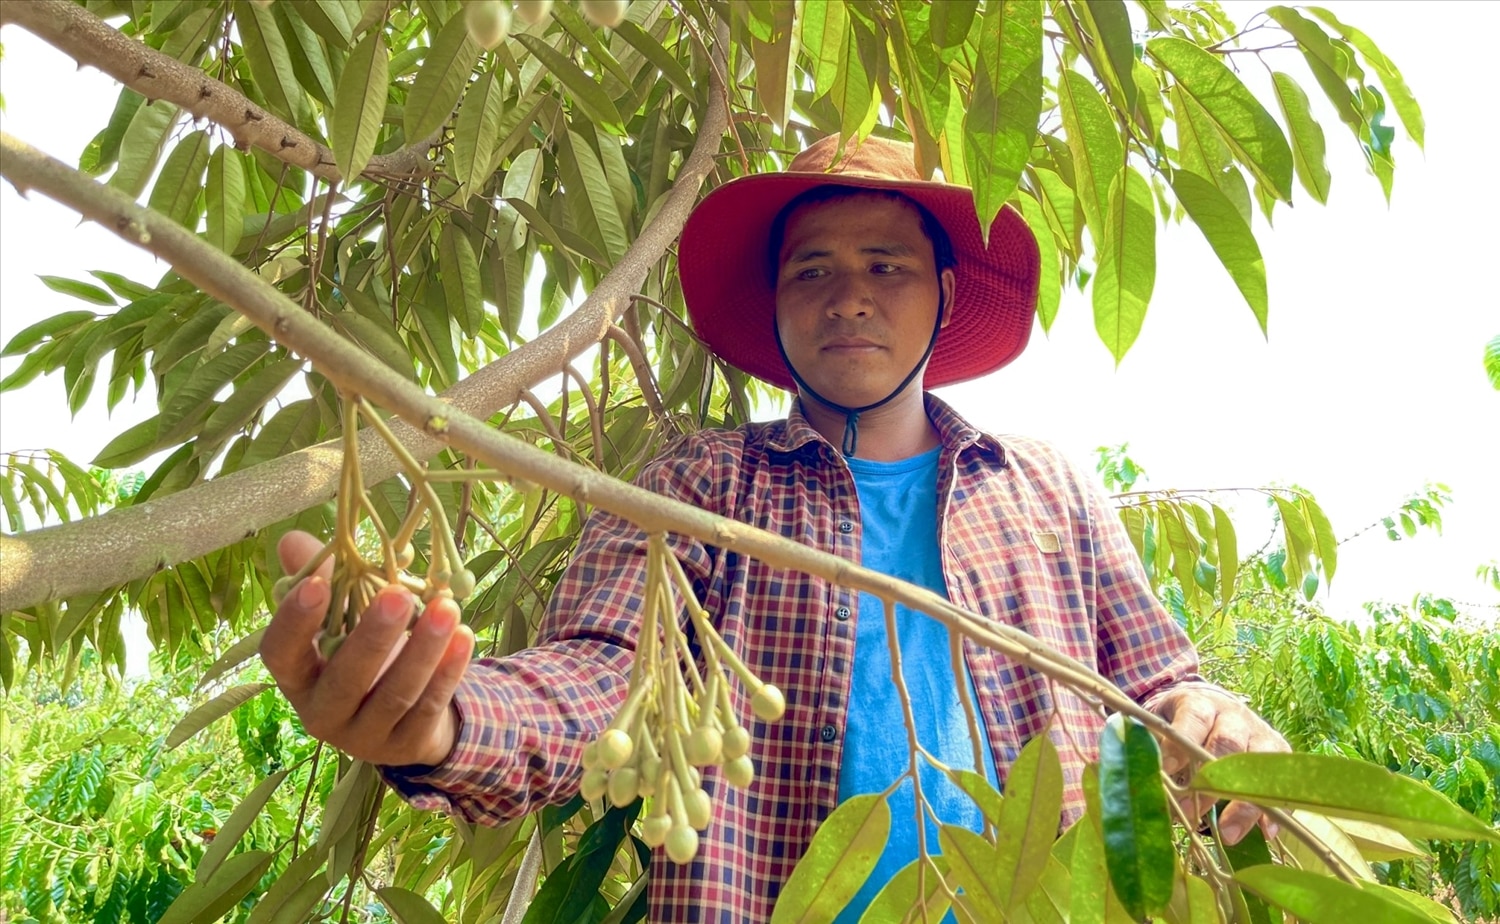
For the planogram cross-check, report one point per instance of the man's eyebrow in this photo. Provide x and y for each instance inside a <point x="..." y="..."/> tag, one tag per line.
<point x="893" y="249"/>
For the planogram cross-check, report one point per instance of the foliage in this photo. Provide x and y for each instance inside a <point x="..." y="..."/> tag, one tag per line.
<point x="531" y="169"/>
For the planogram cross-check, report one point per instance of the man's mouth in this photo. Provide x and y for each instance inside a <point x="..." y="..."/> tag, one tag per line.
<point x="850" y="345"/>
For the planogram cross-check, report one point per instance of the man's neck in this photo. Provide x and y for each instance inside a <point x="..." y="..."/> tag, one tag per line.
<point x="889" y="433"/>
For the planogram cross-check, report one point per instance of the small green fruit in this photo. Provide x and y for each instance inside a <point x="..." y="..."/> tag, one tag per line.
<point x="624" y="786"/>
<point x="605" y="13"/>
<point x="488" y="22"/>
<point x="700" y="809"/>
<point x="768" y="704"/>
<point x="654" y="830"/>
<point x="615" y="748"/>
<point x="462" y="584"/>
<point x="595" y="784"/>
<point x="682" y="843"/>
<point x="281" y="588"/>
<point x="704" y="745"/>
<point x="740" y="772"/>
<point x="533" y="11"/>
<point x="736" y="742"/>
<point x="405" y="556"/>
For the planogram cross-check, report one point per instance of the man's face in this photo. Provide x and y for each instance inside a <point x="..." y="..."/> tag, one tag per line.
<point x="857" y="295"/>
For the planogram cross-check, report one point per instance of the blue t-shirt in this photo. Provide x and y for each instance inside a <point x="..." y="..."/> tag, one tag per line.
<point x="898" y="512"/>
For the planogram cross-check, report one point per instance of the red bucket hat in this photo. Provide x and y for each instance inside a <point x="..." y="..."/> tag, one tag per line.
<point x="722" y="262"/>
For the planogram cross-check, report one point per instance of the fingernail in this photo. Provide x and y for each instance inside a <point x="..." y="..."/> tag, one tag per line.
<point x="438" y="620"/>
<point x="1272" y="829"/>
<point x="313" y="593"/>
<point x="393" y="606"/>
<point x="1231" y="833"/>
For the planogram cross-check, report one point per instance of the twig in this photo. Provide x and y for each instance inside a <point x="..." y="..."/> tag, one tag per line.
<point x="596" y="422"/>
<point x="642" y="369"/>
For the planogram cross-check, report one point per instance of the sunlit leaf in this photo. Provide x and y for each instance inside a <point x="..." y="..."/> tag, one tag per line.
<point x="585" y="92"/>
<point x="1244" y="123"/>
<point x="838" y="861"/>
<point x="1006" y="104"/>
<point x="898" y="900"/>
<point x="1319" y="899"/>
<point x="1127" y="263"/>
<point x="1095" y="143"/>
<point x="1049" y="289"/>
<point x="1231" y="239"/>
<point x="213" y="710"/>
<point x="210" y="899"/>
<point x="1308" y="146"/>
<point x="1395" y="85"/>
<point x="476" y="132"/>
<point x="271" y="63"/>
<point x="141" y="146"/>
<point x="1343" y="788"/>
<point x="406" y="906"/>
<point x="181" y="180"/>
<point x="225" y="197"/>
<point x="234" y="827"/>
<point x="1028" y="820"/>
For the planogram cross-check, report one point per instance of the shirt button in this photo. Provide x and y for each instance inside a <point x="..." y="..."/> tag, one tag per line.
<point x="828" y="733"/>
<point x="841" y="613"/>
<point x="845" y="526"/>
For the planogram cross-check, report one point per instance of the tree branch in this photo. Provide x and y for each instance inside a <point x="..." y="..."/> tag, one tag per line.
<point x="89" y="40"/>
<point x="355" y="372"/>
<point x="90" y="555"/>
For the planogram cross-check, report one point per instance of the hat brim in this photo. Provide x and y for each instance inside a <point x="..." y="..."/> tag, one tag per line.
<point x="722" y="264"/>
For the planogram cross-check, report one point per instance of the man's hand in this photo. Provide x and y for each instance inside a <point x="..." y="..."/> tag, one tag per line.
<point x="1222" y="725"/>
<point x="386" y="696"/>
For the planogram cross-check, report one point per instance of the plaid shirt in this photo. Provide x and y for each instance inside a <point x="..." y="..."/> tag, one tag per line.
<point x="1026" y="539"/>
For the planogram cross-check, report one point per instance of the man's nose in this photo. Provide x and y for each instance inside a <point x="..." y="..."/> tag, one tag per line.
<point x="848" y="297"/>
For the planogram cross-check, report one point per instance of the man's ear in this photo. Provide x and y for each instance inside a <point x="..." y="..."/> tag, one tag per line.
<point x="948" y="282"/>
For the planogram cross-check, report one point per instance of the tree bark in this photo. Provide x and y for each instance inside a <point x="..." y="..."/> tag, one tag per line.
<point x="89" y="40"/>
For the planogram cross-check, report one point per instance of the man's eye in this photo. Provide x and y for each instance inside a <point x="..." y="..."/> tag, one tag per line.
<point x="885" y="269"/>
<point x="811" y="272"/>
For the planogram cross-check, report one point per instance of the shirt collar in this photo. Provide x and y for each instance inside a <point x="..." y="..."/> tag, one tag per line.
<point x="954" y="432"/>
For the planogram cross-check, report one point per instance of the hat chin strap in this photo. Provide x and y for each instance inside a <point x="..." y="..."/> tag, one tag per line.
<point x="851" y="414"/>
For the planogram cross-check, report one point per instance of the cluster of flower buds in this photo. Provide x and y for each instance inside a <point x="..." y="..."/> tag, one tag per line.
<point x="676" y="720"/>
<point x="356" y="580"/>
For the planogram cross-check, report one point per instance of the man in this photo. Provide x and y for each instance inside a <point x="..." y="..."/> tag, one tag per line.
<point x="854" y="282"/>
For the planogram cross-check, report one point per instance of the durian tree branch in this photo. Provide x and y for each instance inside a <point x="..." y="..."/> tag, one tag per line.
<point x="90" y="555"/>
<point x="355" y="372"/>
<point x="91" y="41"/>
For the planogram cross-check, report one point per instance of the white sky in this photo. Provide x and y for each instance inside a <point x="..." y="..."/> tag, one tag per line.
<point x="1370" y="385"/>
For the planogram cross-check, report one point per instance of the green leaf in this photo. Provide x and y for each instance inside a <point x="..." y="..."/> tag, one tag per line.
<point x="309" y="60"/>
<point x="1006" y="105"/>
<point x="592" y="197"/>
<point x="854" y="94"/>
<point x="951" y="21"/>
<point x="1095" y="144"/>
<point x="1028" y="821"/>
<point x="235" y="655"/>
<point x="1127" y="263"/>
<point x="377" y="337"/>
<point x="1298" y="537"/>
<point x="477" y="131"/>
<point x="182" y="406"/>
<point x="237" y="824"/>
<point x="355" y="124"/>
<point x="130" y="447"/>
<point x="1135" y="818"/>
<point x="775" y="65"/>
<point x="226" y="198"/>
<point x="1249" y="130"/>
<point x="972" y="870"/>
<point x="572" y="888"/>
<point x="294" y="427"/>
<point x="1049" y="290"/>
<point x="897" y="900"/>
<point x="1318" y="899"/>
<point x="1390" y="78"/>
<point x="408" y="907"/>
<point x="1229" y="556"/>
<point x="444" y="72"/>
<point x="1308" y="146"/>
<point x="1229" y="236"/>
<point x="825" y="28"/>
<point x="248" y="398"/>
<point x="459" y="268"/>
<point x="79" y="290"/>
<point x="329" y="18"/>
<point x="1203" y="152"/>
<point x="1341" y="788"/>
<point x="141" y="146"/>
<point x="1325" y="545"/>
<point x="1089" y="874"/>
<point x="1328" y="67"/>
<point x="213" y="710"/>
<point x="654" y="52"/>
<point x="124" y="288"/>
<point x="586" y="92"/>
<point x="1108" y="23"/>
<point x="1491" y="361"/>
<point x="838" y="861"/>
<point x="181" y="180"/>
<point x="212" y="898"/>
<point x="271" y="63"/>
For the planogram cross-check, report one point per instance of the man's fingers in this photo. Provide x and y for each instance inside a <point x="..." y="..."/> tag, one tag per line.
<point x="1236" y="820"/>
<point x="352" y="670"/>
<point x="432" y="720"/>
<point x="287" y="647"/>
<point x="1193" y="718"/>
<point x="296" y="547"/>
<point x="401" y="685"/>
